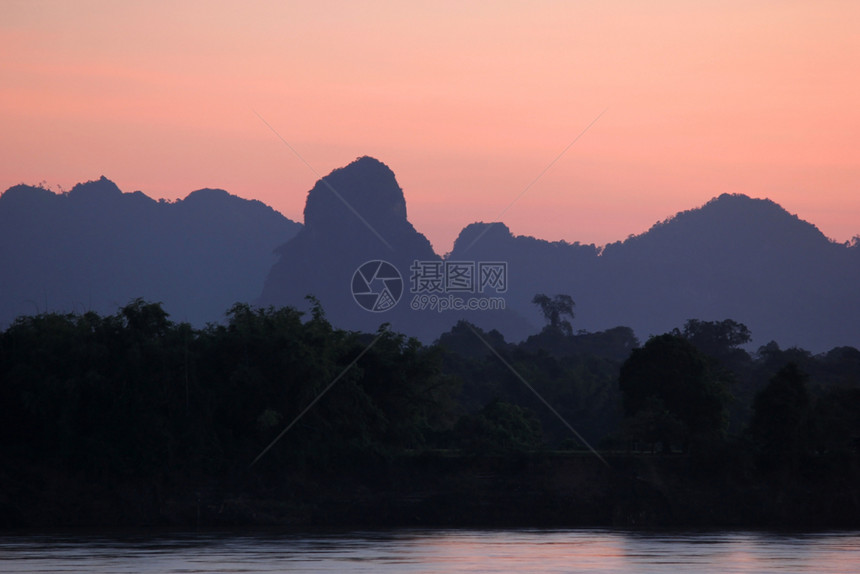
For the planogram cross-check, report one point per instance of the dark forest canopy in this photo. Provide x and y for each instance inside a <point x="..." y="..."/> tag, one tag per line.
<point x="136" y="392"/>
<point x="103" y="400"/>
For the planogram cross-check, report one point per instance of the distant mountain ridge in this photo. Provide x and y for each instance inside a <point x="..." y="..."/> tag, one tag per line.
<point x="734" y="257"/>
<point x="96" y="248"/>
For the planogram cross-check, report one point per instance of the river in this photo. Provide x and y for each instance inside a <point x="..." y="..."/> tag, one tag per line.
<point x="420" y="551"/>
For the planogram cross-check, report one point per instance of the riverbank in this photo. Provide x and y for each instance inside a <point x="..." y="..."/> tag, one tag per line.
<point x="442" y="489"/>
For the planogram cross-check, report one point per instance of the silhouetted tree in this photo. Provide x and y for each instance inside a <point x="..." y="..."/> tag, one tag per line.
<point x="554" y="310"/>
<point x="462" y="340"/>
<point x="721" y="342"/>
<point x="669" y="371"/>
<point x="780" y="423"/>
<point x="716" y="337"/>
<point x="148" y="319"/>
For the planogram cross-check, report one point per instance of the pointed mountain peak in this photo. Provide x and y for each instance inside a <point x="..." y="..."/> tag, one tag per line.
<point x="366" y="187"/>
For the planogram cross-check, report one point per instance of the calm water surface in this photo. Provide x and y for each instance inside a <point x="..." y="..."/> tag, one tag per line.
<point x="433" y="551"/>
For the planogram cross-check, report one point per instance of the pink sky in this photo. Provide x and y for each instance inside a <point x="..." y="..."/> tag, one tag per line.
<point x="467" y="102"/>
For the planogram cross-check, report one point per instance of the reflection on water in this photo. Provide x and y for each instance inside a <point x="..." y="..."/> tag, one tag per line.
<point x="433" y="551"/>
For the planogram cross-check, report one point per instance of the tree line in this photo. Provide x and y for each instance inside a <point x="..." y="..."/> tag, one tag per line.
<point x="137" y="394"/>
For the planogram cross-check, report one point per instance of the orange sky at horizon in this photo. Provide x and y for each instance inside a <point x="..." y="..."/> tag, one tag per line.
<point x="467" y="102"/>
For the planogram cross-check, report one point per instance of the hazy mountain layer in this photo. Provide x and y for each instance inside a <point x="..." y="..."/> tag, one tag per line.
<point x="96" y="248"/>
<point x="735" y="257"/>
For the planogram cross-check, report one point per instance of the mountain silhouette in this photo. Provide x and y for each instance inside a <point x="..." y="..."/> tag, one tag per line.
<point x="745" y="259"/>
<point x="534" y="265"/>
<point x="735" y="257"/>
<point x="353" y="216"/>
<point x="96" y="248"/>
